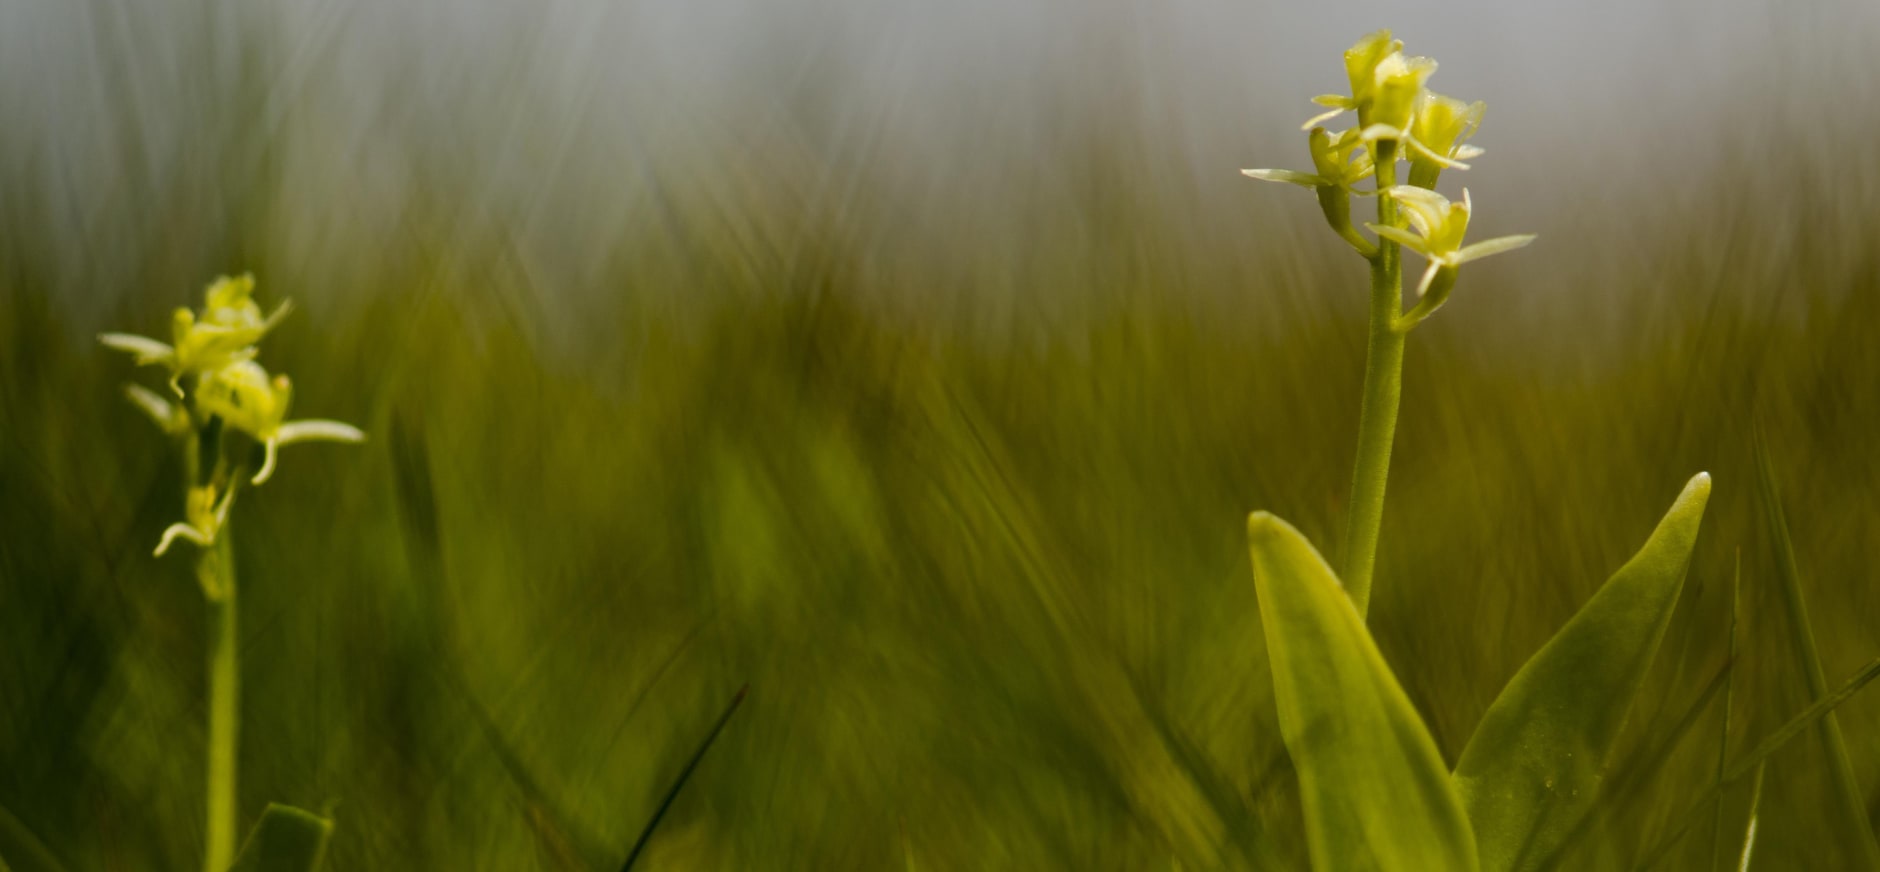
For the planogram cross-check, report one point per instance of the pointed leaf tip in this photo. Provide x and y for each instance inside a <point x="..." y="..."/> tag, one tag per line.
<point x="1532" y="770"/>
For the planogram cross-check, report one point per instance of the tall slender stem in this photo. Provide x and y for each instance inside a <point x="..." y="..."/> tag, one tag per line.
<point x="218" y="568"/>
<point x="1383" y="389"/>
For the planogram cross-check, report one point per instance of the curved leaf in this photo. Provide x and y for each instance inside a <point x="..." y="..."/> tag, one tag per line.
<point x="1532" y="768"/>
<point x="1374" y="787"/>
<point x="286" y="839"/>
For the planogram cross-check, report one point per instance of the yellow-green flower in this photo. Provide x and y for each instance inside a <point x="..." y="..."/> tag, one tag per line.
<point x="245" y="398"/>
<point x="1361" y="62"/>
<point x="1441" y="225"/>
<point x="224" y="334"/>
<point x="1399" y="82"/>
<point x="1438" y="132"/>
<point x="1341" y="163"/>
<point x="204" y="517"/>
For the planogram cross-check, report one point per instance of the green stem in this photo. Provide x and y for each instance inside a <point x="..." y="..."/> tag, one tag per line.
<point x="1383" y="389"/>
<point x="217" y="566"/>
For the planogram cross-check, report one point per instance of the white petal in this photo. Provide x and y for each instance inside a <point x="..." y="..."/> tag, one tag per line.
<point x="181" y="531"/>
<point x="1304" y="180"/>
<point x="145" y="349"/>
<point x="1402" y="237"/>
<point x="158" y="408"/>
<point x="1429" y="275"/>
<point x="318" y="430"/>
<point x="273" y="448"/>
<point x="1493" y="246"/>
<point x="1441" y="161"/>
<point x="1381" y="131"/>
<point x="1320" y="118"/>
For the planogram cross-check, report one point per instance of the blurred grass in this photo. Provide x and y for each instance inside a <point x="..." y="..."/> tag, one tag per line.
<point x="958" y="487"/>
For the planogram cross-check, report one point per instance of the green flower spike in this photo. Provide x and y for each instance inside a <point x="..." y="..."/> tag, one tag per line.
<point x="1341" y="163"/>
<point x="205" y="518"/>
<point x="1442" y="225"/>
<point x="225" y="333"/>
<point x="245" y="398"/>
<point x="1437" y="132"/>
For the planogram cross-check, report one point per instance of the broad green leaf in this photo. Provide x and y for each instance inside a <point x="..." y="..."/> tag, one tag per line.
<point x="1531" y="771"/>
<point x="1847" y="811"/>
<point x="1373" y="785"/>
<point x="286" y="839"/>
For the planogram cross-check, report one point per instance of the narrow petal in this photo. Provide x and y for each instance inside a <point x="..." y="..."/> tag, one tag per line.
<point x="280" y="312"/>
<point x="1338" y="100"/>
<point x="145" y="349"/>
<point x="273" y="447"/>
<point x="1493" y="246"/>
<point x="1402" y="237"/>
<point x="1304" y="180"/>
<point x="1466" y="152"/>
<point x="1429" y="275"/>
<point x="1321" y="118"/>
<point x="181" y="531"/>
<point x="159" y="409"/>
<point x="319" y="430"/>
<point x="1424" y="150"/>
<point x="1381" y="131"/>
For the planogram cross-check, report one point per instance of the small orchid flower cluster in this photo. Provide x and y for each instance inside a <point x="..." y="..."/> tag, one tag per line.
<point x="1398" y="119"/>
<point x="215" y="386"/>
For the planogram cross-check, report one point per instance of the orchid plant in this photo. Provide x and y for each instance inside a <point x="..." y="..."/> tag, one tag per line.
<point x="219" y="407"/>
<point x="1374" y="787"/>
<point x="1398" y="119"/>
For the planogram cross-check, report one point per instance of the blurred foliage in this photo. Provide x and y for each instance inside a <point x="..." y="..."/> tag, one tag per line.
<point x="957" y="486"/>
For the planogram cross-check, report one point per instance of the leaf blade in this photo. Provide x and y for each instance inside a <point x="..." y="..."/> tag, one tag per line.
<point x="1375" y="788"/>
<point x="1532" y="768"/>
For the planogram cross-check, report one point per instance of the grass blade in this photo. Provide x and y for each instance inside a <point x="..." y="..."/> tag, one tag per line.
<point x="1375" y="790"/>
<point x="1847" y="808"/>
<point x="1532" y="770"/>
<point x="286" y="839"/>
<point x="28" y="852"/>
<point x="684" y="775"/>
<point x="1753" y="760"/>
<point x="1723" y="740"/>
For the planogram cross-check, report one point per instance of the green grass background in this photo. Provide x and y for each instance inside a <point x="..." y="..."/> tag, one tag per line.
<point x="954" y="478"/>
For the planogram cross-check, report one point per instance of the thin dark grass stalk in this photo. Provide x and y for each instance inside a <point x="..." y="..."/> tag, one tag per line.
<point x="685" y="775"/>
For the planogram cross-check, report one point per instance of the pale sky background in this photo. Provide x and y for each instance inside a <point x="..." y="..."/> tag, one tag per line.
<point x="550" y="115"/>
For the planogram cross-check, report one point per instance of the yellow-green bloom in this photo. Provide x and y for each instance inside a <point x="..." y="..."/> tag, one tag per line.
<point x="1361" y="62"/>
<point x="1438" y="132"/>
<point x="204" y="517"/>
<point x="1399" y="82"/>
<point x="245" y="398"/>
<point x="1440" y="226"/>
<point x="1341" y="162"/>
<point x="224" y="334"/>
